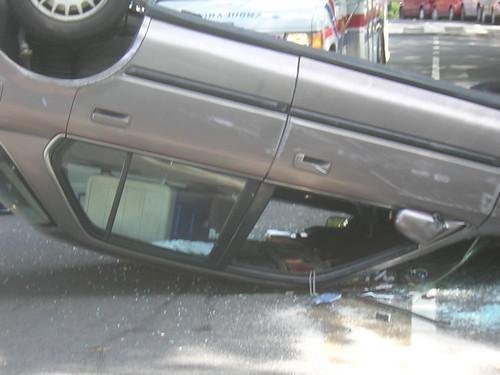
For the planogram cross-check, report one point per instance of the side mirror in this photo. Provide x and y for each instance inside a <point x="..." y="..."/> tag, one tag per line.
<point x="423" y="228"/>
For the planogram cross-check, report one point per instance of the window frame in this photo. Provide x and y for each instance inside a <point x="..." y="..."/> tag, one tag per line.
<point x="129" y="244"/>
<point x="345" y="272"/>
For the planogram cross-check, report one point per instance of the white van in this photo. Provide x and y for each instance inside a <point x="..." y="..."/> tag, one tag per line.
<point x="350" y="27"/>
<point x="306" y="22"/>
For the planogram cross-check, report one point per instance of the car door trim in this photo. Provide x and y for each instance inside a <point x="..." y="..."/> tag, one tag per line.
<point x="196" y="23"/>
<point x="204" y="88"/>
<point x="391" y="135"/>
<point x="387" y="259"/>
<point x="118" y="194"/>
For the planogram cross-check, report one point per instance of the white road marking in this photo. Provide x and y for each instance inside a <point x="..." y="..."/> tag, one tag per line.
<point x="435" y="59"/>
<point x="435" y="68"/>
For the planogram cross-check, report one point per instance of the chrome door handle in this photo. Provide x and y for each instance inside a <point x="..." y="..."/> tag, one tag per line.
<point x="310" y="164"/>
<point x="105" y="117"/>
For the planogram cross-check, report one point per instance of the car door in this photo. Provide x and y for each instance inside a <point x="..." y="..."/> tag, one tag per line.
<point x="379" y="148"/>
<point x="163" y="157"/>
<point x="356" y="151"/>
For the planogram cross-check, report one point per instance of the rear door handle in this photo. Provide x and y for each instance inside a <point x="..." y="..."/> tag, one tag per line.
<point x="310" y="164"/>
<point x="105" y="117"/>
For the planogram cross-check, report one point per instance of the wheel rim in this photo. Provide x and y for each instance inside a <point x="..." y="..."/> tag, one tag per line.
<point x="68" y="10"/>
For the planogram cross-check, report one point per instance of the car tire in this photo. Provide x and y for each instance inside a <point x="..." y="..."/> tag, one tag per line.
<point x="434" y="14"/>
<point x="478" y="14"/>
<point x="421" y="14"/>
<point x="58" y="28"/>
<point x="380" y="58"/>
<point x="451" y="14"/>
<point x="483" y="16"/>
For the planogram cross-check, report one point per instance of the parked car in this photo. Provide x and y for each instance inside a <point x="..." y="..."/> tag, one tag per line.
<point x="420" y="9"/>
<point x="450" y="9"/>
<point x="309" y="23"/>
<point x="4" y="210"/>
<point x="471" y="9"/>
<point x="221" y="150"/>
<point x="490" y="11"/>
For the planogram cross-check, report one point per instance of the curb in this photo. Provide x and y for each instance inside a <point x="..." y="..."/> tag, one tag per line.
<point x="445" y="28"/>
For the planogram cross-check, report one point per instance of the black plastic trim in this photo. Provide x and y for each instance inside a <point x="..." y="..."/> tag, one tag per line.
<point x="396" y="136"/>
<point x="118" y="194"/>
<point x="239" y="236"/>
<point x="333" y="275"/>
<point x="233" y="221"/>
<point x="204" y="88"/>
<point x="196" y="23"/>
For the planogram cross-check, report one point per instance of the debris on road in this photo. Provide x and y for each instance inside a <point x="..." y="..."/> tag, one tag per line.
<point x="384" y="296"/>
<point x="326" y="298"/>
<point x="430" y="294"/>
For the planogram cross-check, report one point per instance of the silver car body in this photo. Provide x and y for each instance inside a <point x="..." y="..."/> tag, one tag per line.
<point x="246" y="105"/>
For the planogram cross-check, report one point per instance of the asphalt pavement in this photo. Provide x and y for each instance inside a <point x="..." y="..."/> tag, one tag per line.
<point x="463" y="53"/>
<point x="64" y="309"/>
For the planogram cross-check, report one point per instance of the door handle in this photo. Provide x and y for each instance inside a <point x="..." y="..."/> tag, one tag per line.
<point x="105" y="117"/>
<point x="310" y="164"/>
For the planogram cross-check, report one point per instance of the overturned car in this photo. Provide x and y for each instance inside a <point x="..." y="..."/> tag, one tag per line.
<point x="221" y="150"/>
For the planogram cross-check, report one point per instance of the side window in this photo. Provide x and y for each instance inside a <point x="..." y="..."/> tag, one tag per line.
<point x="175" y="206"/>
<point x="86" y="167"/>
<point x="144" y="200"/>
<point x="299" y="232"/>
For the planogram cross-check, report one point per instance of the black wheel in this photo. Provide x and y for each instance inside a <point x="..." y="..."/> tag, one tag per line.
<point x="68" y="21"/>
<point x="380" y="48"/>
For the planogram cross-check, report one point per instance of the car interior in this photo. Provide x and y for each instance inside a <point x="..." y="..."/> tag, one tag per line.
<point x="299" y="232"/>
